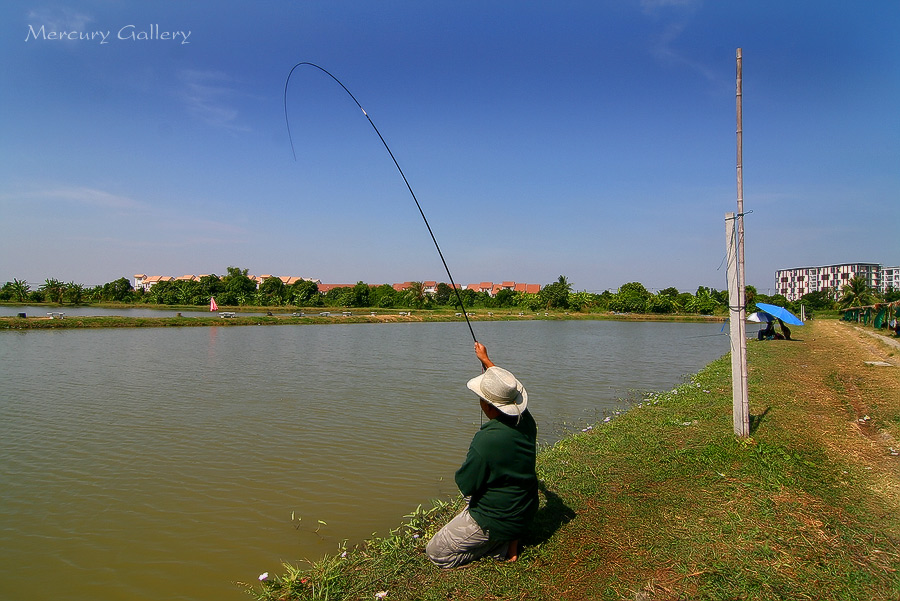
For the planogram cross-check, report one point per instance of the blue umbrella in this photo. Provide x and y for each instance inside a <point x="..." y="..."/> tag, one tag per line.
<point x="780" y="313"/>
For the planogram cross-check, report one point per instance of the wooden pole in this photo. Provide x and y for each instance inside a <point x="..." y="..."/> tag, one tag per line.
<point x="740" y="396"/>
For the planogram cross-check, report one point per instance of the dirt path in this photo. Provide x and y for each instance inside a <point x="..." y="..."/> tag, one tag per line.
<point x="846" y="388"/>
<point x="889" y="341"/>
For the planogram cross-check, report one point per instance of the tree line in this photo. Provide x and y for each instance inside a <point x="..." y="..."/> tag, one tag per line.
<point x="236" y="288"/>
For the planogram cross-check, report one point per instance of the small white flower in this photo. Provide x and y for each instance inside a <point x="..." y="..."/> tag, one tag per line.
<point x="381" y="594"/>
<point x="263" y="576"/>
<point x="344" y="554"/>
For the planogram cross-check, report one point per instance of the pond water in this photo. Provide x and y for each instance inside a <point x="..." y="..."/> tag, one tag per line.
<point x="161" y="463"/>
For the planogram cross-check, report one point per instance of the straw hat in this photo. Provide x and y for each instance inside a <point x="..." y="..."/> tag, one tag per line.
<point x="501" y="389"/>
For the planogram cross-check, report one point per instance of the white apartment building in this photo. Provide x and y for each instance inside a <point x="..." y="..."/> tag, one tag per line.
<point x="890" y="278"/>
<point x="795" y="282"/>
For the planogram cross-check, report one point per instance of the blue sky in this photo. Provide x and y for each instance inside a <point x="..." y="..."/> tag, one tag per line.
<point x="594" y="140"/>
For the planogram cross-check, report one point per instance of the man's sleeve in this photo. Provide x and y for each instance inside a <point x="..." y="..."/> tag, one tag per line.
<point x="473" y="473"/>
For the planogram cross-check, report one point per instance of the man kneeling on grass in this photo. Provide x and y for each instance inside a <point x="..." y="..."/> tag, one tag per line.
<point x="497" y="478"/>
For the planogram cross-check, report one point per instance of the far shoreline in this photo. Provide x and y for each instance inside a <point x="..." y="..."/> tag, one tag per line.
<point x="191" y="316"/>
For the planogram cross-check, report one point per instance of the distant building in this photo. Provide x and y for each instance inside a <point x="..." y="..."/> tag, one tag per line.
<point x="795" y="282"/>
<point x="528" y="288"/>
<point x="287" y="280"/>
<point x="492" y="289"/>
<point x="146" y="282"/>
<point x="890" y="278"/>
<point x="326" y="288"/>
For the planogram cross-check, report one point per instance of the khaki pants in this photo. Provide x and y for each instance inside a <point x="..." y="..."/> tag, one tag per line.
<point x="462" y="541"/>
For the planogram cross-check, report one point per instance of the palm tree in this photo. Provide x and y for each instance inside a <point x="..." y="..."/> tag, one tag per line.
<point x="20" y="290"/>
<point x="556" y="295"/>
<point x="75" y="293"/>
<point x="415" y="295"/>
<point x="856" y="293"/>
<point x="54" y="290"/>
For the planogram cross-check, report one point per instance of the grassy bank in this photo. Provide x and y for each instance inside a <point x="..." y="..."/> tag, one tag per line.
<point x="664" y="503"/>
<point x="199" y="319"/>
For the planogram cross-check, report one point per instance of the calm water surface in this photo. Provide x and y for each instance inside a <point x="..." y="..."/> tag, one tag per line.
<point x="166" y="463"/>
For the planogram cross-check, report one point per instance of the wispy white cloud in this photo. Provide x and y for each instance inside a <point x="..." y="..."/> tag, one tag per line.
<point x="666" y="50"/>
<point x="209" y="95"/>
<point x="158" y="219"/>
<point x="675" y="16"/>
<point x="78" y="195"/>
<point x="64" y="19"/>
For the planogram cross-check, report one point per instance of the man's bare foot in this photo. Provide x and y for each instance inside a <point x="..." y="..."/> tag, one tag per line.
<point x="512" y="554"/>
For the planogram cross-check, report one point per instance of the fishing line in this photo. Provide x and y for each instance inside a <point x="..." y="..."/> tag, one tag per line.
<point x="418" y="206"/>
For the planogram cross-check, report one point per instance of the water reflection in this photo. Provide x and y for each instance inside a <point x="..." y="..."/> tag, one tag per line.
<point x="166" y="463"/>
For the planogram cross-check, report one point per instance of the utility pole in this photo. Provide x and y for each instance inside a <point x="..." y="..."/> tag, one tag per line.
<point x="740" y="403"/>
<point x="737" y="301"/>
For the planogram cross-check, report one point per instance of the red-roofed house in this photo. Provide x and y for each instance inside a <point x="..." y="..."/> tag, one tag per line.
<point x="149" y="281"/>
<point x="527" y="288"/>
<point x="325" y="288"/>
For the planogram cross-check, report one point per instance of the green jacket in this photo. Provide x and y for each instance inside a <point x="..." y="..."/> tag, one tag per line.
<point x="499" y="476"/>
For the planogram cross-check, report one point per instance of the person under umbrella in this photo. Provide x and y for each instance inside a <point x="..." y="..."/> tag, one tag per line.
<point x="785" y="331"/>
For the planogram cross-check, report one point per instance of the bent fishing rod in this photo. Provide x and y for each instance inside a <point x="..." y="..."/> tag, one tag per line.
<point x="408" y="187"/>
